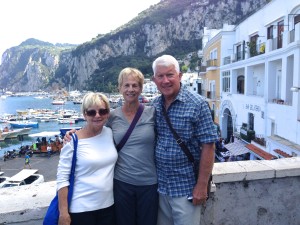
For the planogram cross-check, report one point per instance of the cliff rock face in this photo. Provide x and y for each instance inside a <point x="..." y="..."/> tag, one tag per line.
<point x="159" y="29"/>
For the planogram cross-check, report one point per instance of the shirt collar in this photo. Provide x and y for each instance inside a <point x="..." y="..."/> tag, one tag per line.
<point x="180" y="96"/>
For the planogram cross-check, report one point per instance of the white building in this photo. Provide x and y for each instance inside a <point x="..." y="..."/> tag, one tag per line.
<point x="260" y="80"/>
<point x="149" y="87"/>
<point x="192" y="82"/>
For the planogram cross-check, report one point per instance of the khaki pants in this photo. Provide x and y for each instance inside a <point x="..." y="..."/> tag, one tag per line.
<point x="177" y="211"/>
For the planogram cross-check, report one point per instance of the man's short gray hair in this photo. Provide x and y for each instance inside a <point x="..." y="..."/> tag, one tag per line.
<point x="165" y="60"/>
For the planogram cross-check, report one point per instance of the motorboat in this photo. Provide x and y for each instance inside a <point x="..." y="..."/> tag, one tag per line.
<point x="14" y="133"/>
<point x="2" y="179"/>
<point x="66" y="121"/>
<point x="23" y="124"/>
<point x="24" y="177"/>
<point x="3" y="135"/>
<point x="58" y="102"/>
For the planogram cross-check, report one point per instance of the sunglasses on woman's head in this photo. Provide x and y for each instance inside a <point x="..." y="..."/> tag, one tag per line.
<point x="93" y="112"/>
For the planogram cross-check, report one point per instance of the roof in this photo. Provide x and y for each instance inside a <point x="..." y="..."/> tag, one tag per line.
<point x="260" y="153"/>
<point x="237" y="147"/>
<point x="282" y="153"/>
<point x="22" y="175"/>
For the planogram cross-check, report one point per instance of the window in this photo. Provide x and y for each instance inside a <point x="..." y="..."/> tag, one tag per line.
<point x="251" y="121"/>
<point x="226" y="81"/>
<point x="297" y="19"/>
<point x="280" y="30"/>
<point x="240" y="84"/>
<point x="270" y="32"/>
<point x="214" y="54"/>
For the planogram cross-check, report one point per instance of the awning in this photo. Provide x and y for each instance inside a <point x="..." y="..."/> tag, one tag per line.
<point x="282" y="153"/>
<point x="260" y="153"/>
<point x="45" y="134"/>
<point x="237" y="148"/>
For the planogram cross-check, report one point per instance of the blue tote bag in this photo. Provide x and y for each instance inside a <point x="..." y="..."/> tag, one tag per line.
<point x="52" y="215"/>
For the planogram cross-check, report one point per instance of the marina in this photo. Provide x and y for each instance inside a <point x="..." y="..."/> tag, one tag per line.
<point x="24" y="115"/>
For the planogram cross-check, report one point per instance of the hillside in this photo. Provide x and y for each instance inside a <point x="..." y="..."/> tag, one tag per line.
<point x="170" y="27"/>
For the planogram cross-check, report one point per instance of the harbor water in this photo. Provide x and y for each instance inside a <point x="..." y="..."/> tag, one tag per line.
<point x="10" y="105"/>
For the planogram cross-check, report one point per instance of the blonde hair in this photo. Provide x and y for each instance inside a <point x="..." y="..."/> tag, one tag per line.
<point x="165" y="60"/>
<point x="135" y="73"/>
<point x="94" y="98"/>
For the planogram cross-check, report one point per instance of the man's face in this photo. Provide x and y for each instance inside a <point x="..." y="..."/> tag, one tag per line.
<point x="167" y="81"/>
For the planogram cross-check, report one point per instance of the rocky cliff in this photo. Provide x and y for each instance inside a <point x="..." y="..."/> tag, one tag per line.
<point x="172" y="26"/>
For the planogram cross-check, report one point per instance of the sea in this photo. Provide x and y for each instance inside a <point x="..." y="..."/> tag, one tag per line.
<point x="11" y="104"/>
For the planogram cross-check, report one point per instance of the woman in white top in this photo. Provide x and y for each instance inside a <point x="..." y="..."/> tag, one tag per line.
<point x="92" y="201"/>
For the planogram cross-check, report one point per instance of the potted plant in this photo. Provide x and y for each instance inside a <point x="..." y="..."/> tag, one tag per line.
<point x="252" y="48"/>
<point x="262" y="48"/>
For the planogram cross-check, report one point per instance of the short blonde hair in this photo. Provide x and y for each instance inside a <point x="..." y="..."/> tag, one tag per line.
<point x="135" y="73"/>
<point x="94" y="98"/>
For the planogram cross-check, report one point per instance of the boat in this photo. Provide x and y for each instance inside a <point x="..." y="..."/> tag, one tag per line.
<point x="3" y="135"/>
<point x="23" y="124"/>
<point x="14" y="133"/>
<point x="2" y="179"/>
<point x="77" y="101"/>
<point x="66" y="120"/>
<point x="24" y="177"/>
<point x="24" y="131"/>
<point x="58" y="102"/>
<point x="3" y="97"/>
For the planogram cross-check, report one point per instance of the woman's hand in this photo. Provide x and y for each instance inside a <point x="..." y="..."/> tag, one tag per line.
<point x="68" y="137"/>
<point x="64" y="219"/>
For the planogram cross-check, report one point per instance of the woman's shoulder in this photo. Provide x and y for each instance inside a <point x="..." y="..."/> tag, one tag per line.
<point x="107" y="129"/>
<point x="115" y="112"/>
<point x="149" y="108"/>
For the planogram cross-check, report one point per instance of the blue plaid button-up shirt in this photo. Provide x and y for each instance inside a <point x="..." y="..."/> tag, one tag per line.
<point x="191" y="118"/>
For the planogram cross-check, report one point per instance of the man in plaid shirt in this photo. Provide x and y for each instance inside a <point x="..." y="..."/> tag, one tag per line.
<point x="191" y="118"/>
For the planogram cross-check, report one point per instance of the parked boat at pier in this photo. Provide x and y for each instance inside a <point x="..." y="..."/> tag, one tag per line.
<point x="23" y="124"/>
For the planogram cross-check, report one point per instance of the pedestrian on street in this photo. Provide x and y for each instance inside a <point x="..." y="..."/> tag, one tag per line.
<point x="27" y="161"/>
<point x="49" y="151"/>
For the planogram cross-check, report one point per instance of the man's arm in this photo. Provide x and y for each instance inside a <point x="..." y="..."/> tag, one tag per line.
<point x="205" y="169"/>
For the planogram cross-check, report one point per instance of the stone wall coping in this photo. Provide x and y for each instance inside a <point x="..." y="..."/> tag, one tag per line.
<point x="30" y="202"/>
<point x="256" y="170"/>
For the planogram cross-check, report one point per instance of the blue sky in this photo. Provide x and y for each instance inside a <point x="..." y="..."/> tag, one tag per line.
<point x="63" y="21"/>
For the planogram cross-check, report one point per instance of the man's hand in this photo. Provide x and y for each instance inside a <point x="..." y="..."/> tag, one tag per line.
<point x="200" y="194"/>
<point x="68" y="137"/>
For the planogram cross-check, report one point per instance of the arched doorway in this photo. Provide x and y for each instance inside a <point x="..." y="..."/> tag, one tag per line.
<point x="227" y="125"/>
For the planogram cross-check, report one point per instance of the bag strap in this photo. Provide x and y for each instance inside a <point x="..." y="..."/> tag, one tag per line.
<point x="178" y="139"/>
<point x="72" y="173"/>
<point x="130" y="129"/>
<point x="186" y="151"/>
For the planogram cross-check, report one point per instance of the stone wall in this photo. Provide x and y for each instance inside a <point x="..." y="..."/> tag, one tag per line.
<point x="243" y="193"/>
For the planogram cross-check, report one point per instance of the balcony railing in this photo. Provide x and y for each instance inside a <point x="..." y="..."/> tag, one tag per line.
<point x="255" y="49"/>
<point x="292" y="36"/>
<point x="202" y="69"/>
<point x="277" y="43"/>
<point x="212" y="62"/>
<point x="226" y="60"/>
